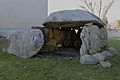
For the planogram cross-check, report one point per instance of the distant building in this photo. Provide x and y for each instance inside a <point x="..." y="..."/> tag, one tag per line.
<point x="22" y="13"/>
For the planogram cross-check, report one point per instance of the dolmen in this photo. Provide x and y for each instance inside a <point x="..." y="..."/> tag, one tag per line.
<point x="77" y="29"/>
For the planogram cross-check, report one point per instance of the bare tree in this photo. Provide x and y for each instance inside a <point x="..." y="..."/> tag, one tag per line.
<point x="98" y="8"/>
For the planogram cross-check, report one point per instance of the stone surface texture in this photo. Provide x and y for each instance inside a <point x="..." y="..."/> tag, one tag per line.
<point x="105" y="64"/>
<point x="88" y="59"/>
<point x="24" y="43"/>
<point x="94" y="39"/>
<point x="99" y="56"/>
<point x="72" y="15"/>
<point x="112" y="52"/>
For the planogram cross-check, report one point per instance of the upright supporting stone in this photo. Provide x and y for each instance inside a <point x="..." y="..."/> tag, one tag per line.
<point x="94" y="39"/>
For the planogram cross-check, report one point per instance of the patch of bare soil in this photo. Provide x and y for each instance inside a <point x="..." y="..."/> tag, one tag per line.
<point x="62" y="53"/>
<point x="67" y="52"/>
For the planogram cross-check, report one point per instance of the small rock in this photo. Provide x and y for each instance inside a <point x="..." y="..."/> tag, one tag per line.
<point x="59" y="45"/>
<point x="24" y="66"/>
<point x="112" y="51"/>
<point x="88" y="59"/>
<point x="105" y="64"/>
<point x="104" y="53"/>
<point x="99" y="56"/>
<point x="71" y="58"/>
<point x="109" y="52"/>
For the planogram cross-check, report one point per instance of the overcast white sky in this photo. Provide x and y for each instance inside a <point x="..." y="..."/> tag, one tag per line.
<point x="56" y="5"/>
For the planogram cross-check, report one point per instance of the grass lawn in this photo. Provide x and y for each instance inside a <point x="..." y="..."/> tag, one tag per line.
<point x="16" y="68"/>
